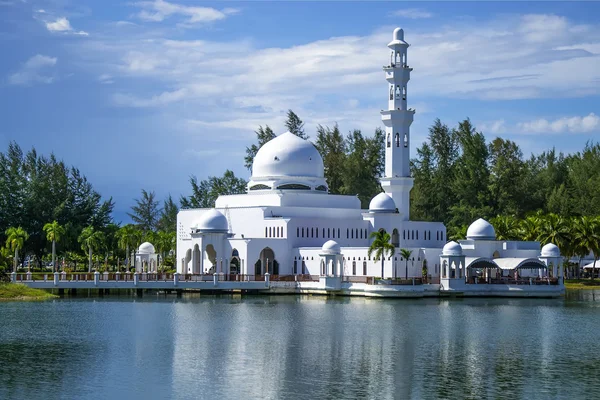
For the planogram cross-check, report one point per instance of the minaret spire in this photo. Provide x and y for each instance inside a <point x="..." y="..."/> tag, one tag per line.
<point x="397" y="120"/>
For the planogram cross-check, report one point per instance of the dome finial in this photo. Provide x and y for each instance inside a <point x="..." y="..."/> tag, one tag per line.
<point x="398" y="34"/>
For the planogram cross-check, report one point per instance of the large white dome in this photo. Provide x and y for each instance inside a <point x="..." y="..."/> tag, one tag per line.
<point x="382" y="203"/>
<point x="212" y="221"/>
<point x="481" y="230"/>
<point x="288" y="156"/>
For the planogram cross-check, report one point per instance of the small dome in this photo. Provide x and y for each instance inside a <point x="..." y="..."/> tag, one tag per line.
<point x="287" y="156"/>
<point x="212" y="221"/>
<point x="331" y="247"/>
<point x="550" y="250"/>
<point x="146" y="248"/>
<point x="452" y="249"/>
<point x="481" y="230"/>
<point x="382" y="203"/>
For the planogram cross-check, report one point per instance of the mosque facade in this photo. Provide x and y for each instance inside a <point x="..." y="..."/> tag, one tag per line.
<point x="287" y="223"/>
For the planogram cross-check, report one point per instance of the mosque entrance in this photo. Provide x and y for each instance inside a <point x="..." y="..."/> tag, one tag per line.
<point x="266" y="263"/>
<point x="234" y="264"/>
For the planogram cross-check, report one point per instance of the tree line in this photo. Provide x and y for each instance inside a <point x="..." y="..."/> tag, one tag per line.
<point x="49" y="208"/>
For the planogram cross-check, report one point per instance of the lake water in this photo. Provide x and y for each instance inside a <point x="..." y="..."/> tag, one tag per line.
<point x="289" y="347"/>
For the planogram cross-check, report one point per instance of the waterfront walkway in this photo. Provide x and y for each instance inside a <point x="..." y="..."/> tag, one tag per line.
<point x="284" y="284"/>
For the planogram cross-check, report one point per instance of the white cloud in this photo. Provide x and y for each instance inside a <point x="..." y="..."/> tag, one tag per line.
<point x="159" y="10"/>
<point x="233" y="85"/>
<point x="412" y="13"/>
<point x="59" y="25"/>
<point x="577" y="124"/>
<point x="31" y="71"/>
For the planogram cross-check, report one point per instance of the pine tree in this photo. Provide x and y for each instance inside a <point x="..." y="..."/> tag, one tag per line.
<point x="262" y="137"/>
<point x="295" y="125"/>
<point x="145" y="212"/>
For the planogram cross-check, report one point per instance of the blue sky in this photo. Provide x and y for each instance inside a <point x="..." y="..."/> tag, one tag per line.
<point x="141" y="95"/>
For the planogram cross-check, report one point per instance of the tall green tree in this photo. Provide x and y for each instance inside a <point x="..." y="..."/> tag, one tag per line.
<point x="15" y="240"/>
<point x="91" y="240"/>
<point x="54" y="232"/>
<point x="295" y="125"/>
<point x="146" y="211"/>
<point x="506" y="226"/>
<point x="587" y="236"/>
<point x="506" y="180"/>
<point x="405" y="253"/>
<point x="205" y="193"/>
<point x="262" y="137"/>
<point x="332" y="147"/>
<point x="168" y="216"/>
<point x="363" y="165"/>
<point x="470" y="184"/>
<point x="381" y="246"/>
<point x="127" y="237"/>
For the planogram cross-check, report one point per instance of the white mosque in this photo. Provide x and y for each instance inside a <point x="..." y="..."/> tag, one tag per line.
<point x="287" y="224"/>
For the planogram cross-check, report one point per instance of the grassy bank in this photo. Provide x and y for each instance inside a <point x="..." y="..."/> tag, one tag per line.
<point x="13" y="291"/>
<point x="582" y="284"/>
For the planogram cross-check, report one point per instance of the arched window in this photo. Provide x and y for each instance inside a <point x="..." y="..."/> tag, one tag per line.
<point x="364" y="268"/>
<point x="405" y="140"/>
<point x="357" y="233"/>
<point x="389" y="141"/>
<point x="295" y="267"/>
<point x="338" y="233"/>
<point x="397" y="91"/>
<point x="403" y="92"/>
<point x="397" y="138"/>
<point x="417" y="235"/>
<point x="266" y="232"/>
<point x="395" y="238"/>
<point x="353" y="267"/>
<point x="347" y="233"/>
<point x="328" y="233"/>
<point x="361" y="233"/>
<point x="312" y="232"/>
<point x="403" y="234"/>
<point x="302" y="232"/>
<point x="323" y="233"/>
<point x="391" y="92"/>
<point x="297" y="232"/>
<point x="352" y="233"/>
<point x="413" y="235"/>
<point x="317" y="232"/>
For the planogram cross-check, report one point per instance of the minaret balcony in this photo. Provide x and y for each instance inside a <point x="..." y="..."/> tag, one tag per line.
<point x="397" y="117"/>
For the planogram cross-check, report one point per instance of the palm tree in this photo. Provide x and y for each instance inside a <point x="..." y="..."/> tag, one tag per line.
<point x="506" y="227"/>
<point x="380" y="246"/>
<point x="127" y="237"/>
<point x="587" y="235"/>
<point x="90" y="239"/>
<point x="54" y="231"/>
<point x="554" y="229"/>
<point x="405" y="253"/>
<point x="165" y="241"/>
<point x="15" y="240"/>
<point x="529" y="228"/>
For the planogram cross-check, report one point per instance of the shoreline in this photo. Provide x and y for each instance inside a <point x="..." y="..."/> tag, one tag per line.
<point x="20" y="292"/>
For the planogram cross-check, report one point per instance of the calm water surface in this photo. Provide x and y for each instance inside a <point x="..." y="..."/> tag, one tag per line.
<point x="300" y="348"/>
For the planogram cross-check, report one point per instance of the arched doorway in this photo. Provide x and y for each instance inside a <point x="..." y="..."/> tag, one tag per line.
<point x="196" y="260"/>
<point x="210" y="259"/>
<point x="266" y="263"/>
<point x="186" y="262"/>
<point x="234" y="264"/>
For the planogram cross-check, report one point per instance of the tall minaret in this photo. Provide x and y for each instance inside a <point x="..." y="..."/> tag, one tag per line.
<point x="397" y="119"/>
